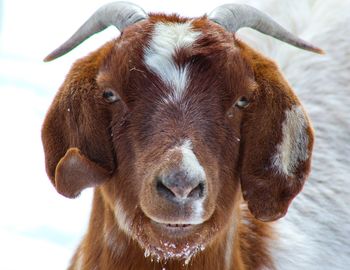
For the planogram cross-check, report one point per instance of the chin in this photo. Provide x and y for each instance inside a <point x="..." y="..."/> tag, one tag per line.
<point x="172" y="241"/>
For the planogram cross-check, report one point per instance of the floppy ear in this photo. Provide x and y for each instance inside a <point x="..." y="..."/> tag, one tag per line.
<point x="74" y="172"/>
<point x="76" y="131"/>
<point x="277" y="141"/>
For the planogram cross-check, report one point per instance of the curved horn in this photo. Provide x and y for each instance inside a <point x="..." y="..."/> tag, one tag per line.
<point x="234" y="16"/>
<point x="119" y="14"/>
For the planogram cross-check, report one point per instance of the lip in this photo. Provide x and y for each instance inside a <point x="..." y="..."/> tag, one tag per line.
<point x="175" y="229"/>
<point x="177" y="225"/>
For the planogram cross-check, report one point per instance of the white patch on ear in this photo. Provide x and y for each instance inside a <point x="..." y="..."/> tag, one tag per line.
<point x="159" y="55"/>
<point x="294" y="145"/>
<point x="121" y="217"/>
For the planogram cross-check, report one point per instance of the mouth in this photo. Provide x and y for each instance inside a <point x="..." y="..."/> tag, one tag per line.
<point x="176" y="225"/>
<point x="178" y="239"/>
<point x="175" y="229"/>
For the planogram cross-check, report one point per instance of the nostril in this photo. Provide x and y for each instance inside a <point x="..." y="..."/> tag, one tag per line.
<point x="163" y="190"/>
<point x="197" y="192"/>
<point x="173" y="188"/>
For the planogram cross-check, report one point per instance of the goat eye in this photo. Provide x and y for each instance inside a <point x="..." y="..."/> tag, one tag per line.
<point x="110" y="95"/>
<point x="242" y="102"/>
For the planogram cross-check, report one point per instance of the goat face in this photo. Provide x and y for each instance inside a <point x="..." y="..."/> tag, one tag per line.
<point x="177" y="145"/>
<point x="171" y="121"/>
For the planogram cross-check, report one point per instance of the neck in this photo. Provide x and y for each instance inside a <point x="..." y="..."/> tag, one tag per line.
<point x="106" y="246"/>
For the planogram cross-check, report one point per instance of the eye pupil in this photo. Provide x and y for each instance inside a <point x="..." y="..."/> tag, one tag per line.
<point x="242" y="102"/>
<point x="110" y="95"/>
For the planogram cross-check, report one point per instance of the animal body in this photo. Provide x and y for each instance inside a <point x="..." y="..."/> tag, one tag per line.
<point x="194" y="142"/>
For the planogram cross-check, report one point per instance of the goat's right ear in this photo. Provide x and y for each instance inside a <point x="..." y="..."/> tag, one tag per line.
<point x="76" y="133"/>
<point x="75" y="172"/>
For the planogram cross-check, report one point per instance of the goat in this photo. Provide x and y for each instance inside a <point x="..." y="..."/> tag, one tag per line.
<point x="192" y="140"/>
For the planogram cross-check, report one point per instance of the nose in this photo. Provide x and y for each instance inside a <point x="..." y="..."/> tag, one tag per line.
<point x="178" y="186"/>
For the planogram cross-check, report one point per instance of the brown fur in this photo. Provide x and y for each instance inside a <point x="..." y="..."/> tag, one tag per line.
<point x="123" y="145"/>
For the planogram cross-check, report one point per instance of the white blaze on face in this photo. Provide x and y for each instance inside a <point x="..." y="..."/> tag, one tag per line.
<point x="190" y="163"/>
<point x="194" y="169"/>
<point x="294" y="145"/>
<point x="159" y="55"/>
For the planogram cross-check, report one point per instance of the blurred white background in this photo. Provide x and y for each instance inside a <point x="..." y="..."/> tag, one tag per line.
<point x="39" y="229"/>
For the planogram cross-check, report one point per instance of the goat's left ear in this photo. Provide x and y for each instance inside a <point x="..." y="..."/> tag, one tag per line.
<point x="277" y="140"/>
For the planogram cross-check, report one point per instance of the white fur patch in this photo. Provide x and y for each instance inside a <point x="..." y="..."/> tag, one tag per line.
<point x="288" y="241"/>
<point x="197" y="217"/>
<point x="229" y="246"/>
<point x="117" y="247"/>
<point x="121" y="217"/>
<point x="294" y="145"/>
<point x="167" y="39"/>
<point x="193" y="168"/>
<point x="190" y="163"/>
<point x="79" y="261"/>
